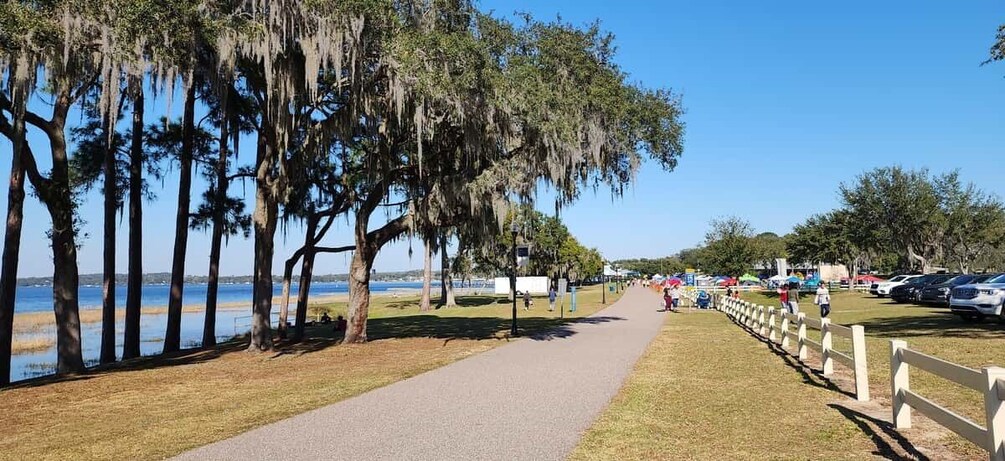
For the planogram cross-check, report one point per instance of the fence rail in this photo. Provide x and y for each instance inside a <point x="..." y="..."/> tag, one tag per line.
<point x="989" y="381"/>
<point x="762" y="321"/>
<point x="776" y="326"/>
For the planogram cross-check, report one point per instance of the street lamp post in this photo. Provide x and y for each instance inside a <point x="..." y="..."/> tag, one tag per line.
<point x="514" y="228"/>
<point x="603" y="290"/>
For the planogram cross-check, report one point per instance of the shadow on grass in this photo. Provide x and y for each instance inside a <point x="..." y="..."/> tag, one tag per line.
<point x="810" y="376"/>
<point x="183" y="357"/>
<point x="938" y="325"/>
<point x="882" y="433"/>
<point x="462" y="302"/>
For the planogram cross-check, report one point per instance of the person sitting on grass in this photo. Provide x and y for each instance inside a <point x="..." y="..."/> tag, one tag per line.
<point x="325" y="318"/>
<point x="340" y="324"/>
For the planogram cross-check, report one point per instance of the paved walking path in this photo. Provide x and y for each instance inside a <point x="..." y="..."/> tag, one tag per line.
<point x="529" y="400"/>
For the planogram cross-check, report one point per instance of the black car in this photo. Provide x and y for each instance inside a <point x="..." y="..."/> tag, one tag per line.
<point x="938" y="294"/>
<point x="910" y="292"/>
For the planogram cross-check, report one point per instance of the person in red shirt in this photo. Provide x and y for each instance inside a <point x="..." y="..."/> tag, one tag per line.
<point x="667" y="300"/>
<point x="783" y="297"/>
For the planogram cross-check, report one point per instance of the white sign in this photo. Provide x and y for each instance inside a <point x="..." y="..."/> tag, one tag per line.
<point x="536" y="285"/>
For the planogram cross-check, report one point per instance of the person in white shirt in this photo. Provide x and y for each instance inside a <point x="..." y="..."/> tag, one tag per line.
<point x="823" y="300"/>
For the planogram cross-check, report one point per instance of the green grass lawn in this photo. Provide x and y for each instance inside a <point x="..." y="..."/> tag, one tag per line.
<point x="698" y="395"/>
<point x="704" y="390"/>
<point x="156" y="407"/>
<point x="930" y="330"/>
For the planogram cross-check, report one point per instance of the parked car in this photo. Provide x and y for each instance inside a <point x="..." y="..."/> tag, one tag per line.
<point x="910" y="292"/>
<point x="975" y="302"/>
<point x="882" y="289"/>
<point x="939" y="293"/>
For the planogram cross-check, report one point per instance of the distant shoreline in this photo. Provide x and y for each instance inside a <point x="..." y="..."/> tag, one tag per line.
<point x="163" y="278"/>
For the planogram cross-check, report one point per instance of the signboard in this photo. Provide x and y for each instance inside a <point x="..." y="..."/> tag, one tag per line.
<point x="563" y="284"/>
<point x="689" y="279"/>
<point x="535" y="285"/>
<point x="783" y="267"/>
<point x="522" y="255"/>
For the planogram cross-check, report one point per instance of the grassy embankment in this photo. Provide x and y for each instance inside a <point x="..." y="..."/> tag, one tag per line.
<point x="160" y="406"/>
<point x="707" y="390"/>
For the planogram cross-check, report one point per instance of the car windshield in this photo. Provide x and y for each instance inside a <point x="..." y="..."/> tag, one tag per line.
<point x="960" y="280"/>
<point x="992" y="278"/>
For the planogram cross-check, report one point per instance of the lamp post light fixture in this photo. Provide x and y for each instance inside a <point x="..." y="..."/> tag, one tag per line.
<point x="514" y="228"/>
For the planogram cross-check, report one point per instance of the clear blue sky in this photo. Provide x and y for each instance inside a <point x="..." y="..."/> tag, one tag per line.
<point x="785" y="100"/>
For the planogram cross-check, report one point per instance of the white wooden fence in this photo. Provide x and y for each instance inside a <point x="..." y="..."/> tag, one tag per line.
<point x="763" y="321"/>
<point x="989" y="381"/>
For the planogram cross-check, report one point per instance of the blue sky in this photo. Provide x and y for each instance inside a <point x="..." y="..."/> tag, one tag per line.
<point x="785" y="100"/>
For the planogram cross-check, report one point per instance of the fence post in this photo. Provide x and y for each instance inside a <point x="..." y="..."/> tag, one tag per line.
<point x="900" y="381"/>
<point x="771" y="324"/>
<point x="801" y="336"/>
<point x="826" y="344"/>
<point x="785" y="329"/>
<point x="760" y="320"/>
<point x="861" y="364"/>
<point x="994" y="404"/>
<point x="750" y="314"/>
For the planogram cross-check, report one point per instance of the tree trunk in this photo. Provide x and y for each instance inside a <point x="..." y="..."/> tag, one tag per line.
<point x="446" y="275"/>
<point x="65" y="282"/>
<point x="12" y="240"/>
<point x="308" y="253"/>
<point x="284" y="305"/>
<point x="427" y="275"/>
<point x="134" y="279"/>
<point x="172" y="338"/>
<point x="216" y="245"/>
<point x="264" y="218"/>
<point x="359" y="294"/>
<point x="265" y="229"/>
<point x="303" y="293"/>
<point x="108" y="271"/>
<point x="65" y="279"/>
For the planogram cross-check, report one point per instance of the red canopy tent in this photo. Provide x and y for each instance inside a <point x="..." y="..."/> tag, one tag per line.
<point x="728" y="282"/>
<point x="867" y="279"/>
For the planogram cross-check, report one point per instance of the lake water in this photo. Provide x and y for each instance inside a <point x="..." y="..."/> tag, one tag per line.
<point x="152" y="327"/>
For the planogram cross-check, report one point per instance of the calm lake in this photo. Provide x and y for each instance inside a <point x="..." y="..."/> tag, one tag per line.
<point x="152" y="327"/>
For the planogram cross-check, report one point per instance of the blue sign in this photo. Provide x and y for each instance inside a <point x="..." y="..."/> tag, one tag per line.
<point x="689" y="279"/>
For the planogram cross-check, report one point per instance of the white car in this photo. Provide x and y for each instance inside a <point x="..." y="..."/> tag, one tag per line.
<point x="975" y="302"/>
<point x="882" y="289"/>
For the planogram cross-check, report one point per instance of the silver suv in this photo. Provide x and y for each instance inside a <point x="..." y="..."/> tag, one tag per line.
<point x="977" y="301"/>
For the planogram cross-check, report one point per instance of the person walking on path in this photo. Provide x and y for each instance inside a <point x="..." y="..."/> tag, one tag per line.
<point x="783" y="298"/>
<point x="675" y="297"/>
<point x="823" y="300"/>
<point x="794" y="298"/>
<point x="667" y="300"/>
<point x="552" y="295"/>
<point x="527" y="302"/>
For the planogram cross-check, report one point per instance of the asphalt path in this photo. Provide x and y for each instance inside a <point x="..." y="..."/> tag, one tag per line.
<point x="531" y="399"/>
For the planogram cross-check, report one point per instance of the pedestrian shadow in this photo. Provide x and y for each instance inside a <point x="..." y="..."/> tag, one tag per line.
<point x="883" y="434"/>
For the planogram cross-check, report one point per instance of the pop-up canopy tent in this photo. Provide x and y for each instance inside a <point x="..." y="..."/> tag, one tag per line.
<point x="777" y="278"/>
<point x="749" y="278"/>
<point x="867" y="279"/>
